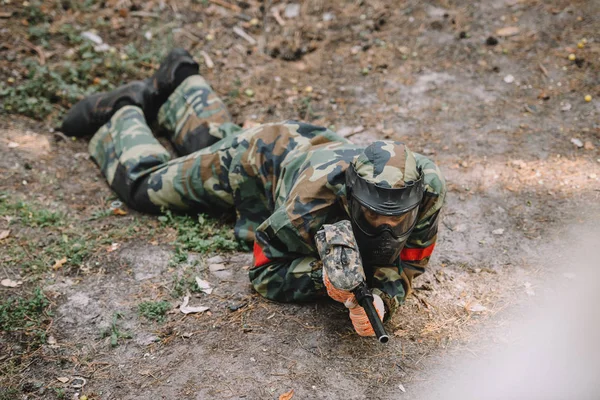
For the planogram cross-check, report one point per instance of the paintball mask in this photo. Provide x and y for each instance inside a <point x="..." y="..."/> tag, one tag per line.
<point x="372" y="202"/>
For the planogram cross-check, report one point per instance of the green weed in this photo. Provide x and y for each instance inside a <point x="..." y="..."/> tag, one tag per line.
<point x="114" y="332"/>
<point x="201" y="234"/>
<point x="8" y="394"/>
<point x="26" y="317"/>
<point x="154" y="310"/>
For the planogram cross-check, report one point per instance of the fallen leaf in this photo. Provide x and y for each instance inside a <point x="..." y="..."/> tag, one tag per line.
<point x="63" y="379"/>
<point x="287" y="395"/>
<point x="507" y="31"/>
<point x="216" y="267"/>
<point x="4" y="234"/>
<point x="10" y="283"/>
<point x="577" y="142"/>
<point x="59" y="263"/>
<point x="204" y="286"/>
<point x="184" y="308"/>
<point x="587" y="145"/>
<point x="113" y="247"/>
<point x="118" y="211"/>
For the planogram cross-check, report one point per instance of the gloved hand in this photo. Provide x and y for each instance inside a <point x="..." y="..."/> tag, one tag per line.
<point x="359" y="318"/>
<point x="343" y="272"/>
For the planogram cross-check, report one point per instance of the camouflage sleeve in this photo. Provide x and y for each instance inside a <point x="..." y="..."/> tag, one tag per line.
<point x="285" y="268"/>
<point x="419" y="247"/>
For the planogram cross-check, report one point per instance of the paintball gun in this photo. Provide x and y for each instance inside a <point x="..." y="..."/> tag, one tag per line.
<point x="343" y="267"/>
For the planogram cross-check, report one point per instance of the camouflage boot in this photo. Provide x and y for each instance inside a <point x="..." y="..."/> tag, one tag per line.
<point x="89" y="114"/>
<point x="174" y="69"/>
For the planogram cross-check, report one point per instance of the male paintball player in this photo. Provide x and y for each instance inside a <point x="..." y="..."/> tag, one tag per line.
<point x="303" y="195"/>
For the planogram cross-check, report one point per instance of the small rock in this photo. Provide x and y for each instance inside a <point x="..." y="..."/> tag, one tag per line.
<point x="577" y="142"/>
<point x="509" y="79"/>
<point x="13" y="145"/>
<point x="499" y="231"/>
<point x="593" y="176"/>
<point x="328" y="16"/>
<point x="491" y="41"/>
<point x="292" y="10"/>
<point x="235" y="307"/>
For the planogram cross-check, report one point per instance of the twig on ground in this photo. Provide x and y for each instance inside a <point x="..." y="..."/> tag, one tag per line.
<point x="277" y="16"/>
<point x="241" y="33"/>
<point x="190" y="35"/>
<point x="61" y="135"/>
<point x="543" y="69"/>
<point x="37" y="49"/>
<point x="207" y="60"/>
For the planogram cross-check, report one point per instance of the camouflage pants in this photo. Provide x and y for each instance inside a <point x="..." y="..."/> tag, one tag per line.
<point x="222" y="168"/>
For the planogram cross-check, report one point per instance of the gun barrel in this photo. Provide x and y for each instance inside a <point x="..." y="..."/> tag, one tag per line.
<point x="365" y="299"/>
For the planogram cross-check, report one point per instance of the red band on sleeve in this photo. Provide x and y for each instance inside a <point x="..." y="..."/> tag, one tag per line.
<point x="260" y="258"/>
<point x="415" y="254"/>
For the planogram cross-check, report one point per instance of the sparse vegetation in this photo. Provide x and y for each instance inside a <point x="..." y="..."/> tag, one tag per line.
<point x="26" y="317"/>
<point x="200" y="234"/>
<point x="114" y="331"/>
<point x="154" y="310"/>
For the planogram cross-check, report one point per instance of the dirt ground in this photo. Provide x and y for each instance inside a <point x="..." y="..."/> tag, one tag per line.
<point x="484" y="88"/>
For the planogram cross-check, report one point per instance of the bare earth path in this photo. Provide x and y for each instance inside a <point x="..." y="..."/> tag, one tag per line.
<point x="500" y="119"/>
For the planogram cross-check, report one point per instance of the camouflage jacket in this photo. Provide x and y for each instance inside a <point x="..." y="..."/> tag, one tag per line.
<point x="310" y="192"/>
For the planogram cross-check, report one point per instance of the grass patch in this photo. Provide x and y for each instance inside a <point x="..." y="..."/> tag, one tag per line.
<point x="8" y="394"/>
<point x="154" y="310"/>
<point x="26" y="317"/>
<point x="41" y="239"/>
<point x="200" y="234"/>
<point x="40" y="91"/>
